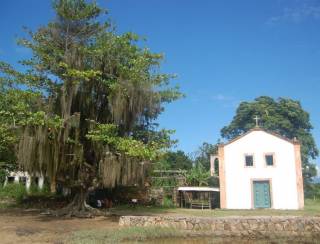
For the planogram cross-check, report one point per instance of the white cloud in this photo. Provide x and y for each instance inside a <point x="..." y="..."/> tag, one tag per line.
<point x="298" y="13"/>
<point x="221" y="97"/>
<point x="226" y="100"/>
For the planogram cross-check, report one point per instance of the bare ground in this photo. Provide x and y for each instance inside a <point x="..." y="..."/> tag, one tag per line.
<point x="29" y="226"/>
<point x="21" y="225"/>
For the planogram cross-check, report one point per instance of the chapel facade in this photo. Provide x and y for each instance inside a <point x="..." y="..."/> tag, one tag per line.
<point x="260" y="169"/>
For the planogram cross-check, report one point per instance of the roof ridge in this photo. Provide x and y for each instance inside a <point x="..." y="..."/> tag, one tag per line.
<point x="293" y="141"/>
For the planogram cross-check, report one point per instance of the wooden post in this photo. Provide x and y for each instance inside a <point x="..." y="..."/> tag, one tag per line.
<point x="53" y="184"/>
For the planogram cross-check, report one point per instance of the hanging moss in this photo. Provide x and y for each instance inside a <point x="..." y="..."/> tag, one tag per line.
<point x="119" y="170"/>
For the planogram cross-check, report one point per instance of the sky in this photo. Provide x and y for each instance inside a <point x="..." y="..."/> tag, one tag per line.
<point x="223" y="51"/>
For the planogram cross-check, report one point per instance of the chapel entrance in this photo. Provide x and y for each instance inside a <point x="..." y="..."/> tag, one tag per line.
<point x="261" y="194"/>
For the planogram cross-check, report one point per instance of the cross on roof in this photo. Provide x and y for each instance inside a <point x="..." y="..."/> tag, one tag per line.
<point x="256" y="118"/>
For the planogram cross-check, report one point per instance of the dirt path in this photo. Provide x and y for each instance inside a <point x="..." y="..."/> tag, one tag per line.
<point x="29" y="226"/>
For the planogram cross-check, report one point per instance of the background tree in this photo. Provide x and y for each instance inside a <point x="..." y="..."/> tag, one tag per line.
<point x="283" y="116"/>
<point x="15" y="108"/>
<point x="202" y="155"/>
<point x="97" y="95"/>
<point x="198" y="176"/>
<point x="175" y="161"/>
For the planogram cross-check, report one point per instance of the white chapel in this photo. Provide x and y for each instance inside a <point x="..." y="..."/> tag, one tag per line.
<point x="260" y="169"/>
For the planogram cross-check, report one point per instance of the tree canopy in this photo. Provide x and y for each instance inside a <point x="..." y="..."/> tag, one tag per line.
<point x="175" y="161"/>
<point x="90" y="97"/>
<point x="283" y="116"/>
<point x="202" y="155"/>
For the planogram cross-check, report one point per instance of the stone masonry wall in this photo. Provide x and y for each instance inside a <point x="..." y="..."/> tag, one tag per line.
<point x="234" y="226"/>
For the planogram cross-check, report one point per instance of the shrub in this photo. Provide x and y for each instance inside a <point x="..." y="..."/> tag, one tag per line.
<point x="213" y="181"/>
<point x="167" y="202"/>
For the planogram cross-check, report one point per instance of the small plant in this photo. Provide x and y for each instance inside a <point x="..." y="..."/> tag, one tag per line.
<point x="14" y="191"/>
<point x="167" y="202"/>
<point x="34" y="190"/>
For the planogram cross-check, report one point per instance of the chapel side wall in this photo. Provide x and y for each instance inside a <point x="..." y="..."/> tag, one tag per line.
<point x="299" y="176"/>
<point x="282" y="176"/>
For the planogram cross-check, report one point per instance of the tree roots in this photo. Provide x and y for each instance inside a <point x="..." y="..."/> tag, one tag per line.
<point x="86" y="211"/>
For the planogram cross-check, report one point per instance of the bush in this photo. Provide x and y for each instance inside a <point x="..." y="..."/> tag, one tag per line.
<point x="213" y="181"/>
<point x="34" y="190"/>
<point x="14" y="191"/>
<point x="167" y="202"/>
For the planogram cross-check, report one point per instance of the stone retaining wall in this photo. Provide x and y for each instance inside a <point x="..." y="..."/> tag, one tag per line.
<point x="234" y="226"/>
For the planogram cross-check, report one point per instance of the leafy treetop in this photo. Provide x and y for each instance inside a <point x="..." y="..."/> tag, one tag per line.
<point x="283" y="116"/>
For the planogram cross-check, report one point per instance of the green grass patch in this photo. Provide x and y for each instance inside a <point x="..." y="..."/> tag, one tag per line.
<point x="16" y="192"/>
<point x="16" y="195"/>
<point x="312" y="208"/>
<point x="130" y="234"/>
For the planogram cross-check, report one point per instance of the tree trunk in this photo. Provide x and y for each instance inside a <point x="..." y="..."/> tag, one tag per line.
<point x="79" y="201"/>
<point x="53" y="184"/>
<point x="78" y="207"/>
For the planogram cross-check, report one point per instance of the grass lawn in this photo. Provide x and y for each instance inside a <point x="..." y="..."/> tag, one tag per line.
<point x="130" y="235"/>
<point x="312" y="208"/>
<point x="170" y="235"/>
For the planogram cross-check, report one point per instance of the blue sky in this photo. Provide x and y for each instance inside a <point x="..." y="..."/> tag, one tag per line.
<point x="223" y="51"/>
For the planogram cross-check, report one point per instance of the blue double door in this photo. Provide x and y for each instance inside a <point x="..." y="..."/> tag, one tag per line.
<point x="261" y="191"/>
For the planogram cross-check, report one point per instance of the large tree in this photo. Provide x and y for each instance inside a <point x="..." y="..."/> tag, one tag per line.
<point x="283" y="116"/>
<point x="97" y="95"/>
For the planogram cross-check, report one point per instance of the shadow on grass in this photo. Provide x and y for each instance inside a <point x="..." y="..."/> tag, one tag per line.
<point x="312" y="208"/>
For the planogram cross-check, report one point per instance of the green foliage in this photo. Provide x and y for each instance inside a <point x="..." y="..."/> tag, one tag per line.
<point x="76" y="10"/>
<point x="165" y="182"/>
<point x="283" y="116"/>
<point x="109" y="134"/>
<point x="198" y="176"/>
<point x="198" y="173"/>
<point x="213" y="181"/>
<point x="3" y="175"/>
<point x="175" y="161"/>
<point x="35" y="191"/>
<point x="202" y="156"/>
<point x="14" y="191"/>
<point x="167" y="202"/>
<point x="313" y="191"/>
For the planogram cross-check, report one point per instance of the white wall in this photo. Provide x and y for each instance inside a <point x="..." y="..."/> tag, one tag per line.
<point x="238" y="177"/>
<point x="19" y="174"/>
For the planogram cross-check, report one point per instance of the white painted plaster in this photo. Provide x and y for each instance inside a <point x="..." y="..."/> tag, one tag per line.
<point x="238" y="177"/>
<point x="18" y="174"/>
<point x="41" y="182"/>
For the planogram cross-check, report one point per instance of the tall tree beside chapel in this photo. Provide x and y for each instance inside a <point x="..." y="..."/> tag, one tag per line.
<point x="98" y="93"/>
<point x="283" y="116"/>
